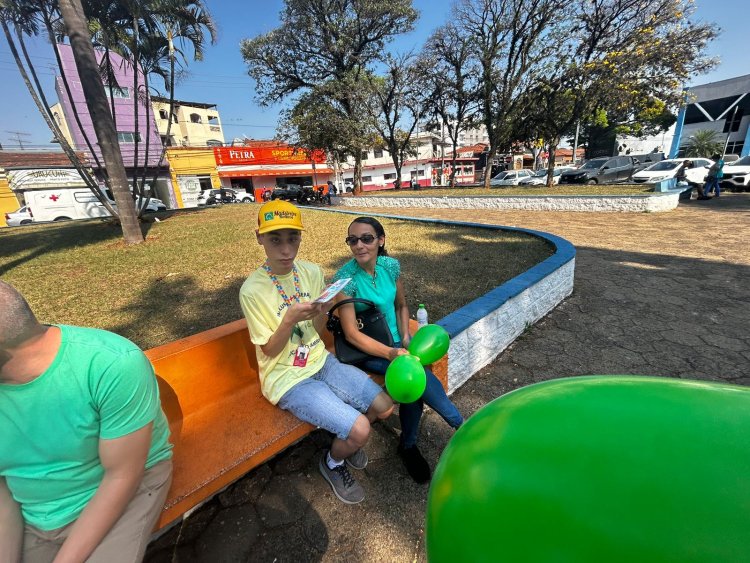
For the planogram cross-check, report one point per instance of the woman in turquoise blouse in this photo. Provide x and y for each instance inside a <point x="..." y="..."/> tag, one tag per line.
<point x="377" y="278"/>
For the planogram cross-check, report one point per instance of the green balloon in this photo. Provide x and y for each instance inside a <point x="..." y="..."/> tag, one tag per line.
<point x="601" y="468"/>
<point x="405" y="379"/>
<point x="430" y="343"/>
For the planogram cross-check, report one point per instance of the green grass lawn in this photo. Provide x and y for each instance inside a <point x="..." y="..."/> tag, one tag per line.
<point x="611" y="189"/>
<point x="186" y="277"/>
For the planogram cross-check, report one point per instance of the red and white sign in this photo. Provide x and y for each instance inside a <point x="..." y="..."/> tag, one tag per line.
<point x="249" y="155"/>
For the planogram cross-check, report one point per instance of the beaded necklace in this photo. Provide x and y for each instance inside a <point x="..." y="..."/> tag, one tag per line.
<point x="295" y="276"/>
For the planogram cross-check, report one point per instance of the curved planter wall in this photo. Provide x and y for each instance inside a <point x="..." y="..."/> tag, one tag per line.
<point x="654" y="202"/>
<point x="481" y="330"/>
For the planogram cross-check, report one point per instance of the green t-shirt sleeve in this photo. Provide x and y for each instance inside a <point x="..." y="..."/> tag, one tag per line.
<point x="126" y="396"/>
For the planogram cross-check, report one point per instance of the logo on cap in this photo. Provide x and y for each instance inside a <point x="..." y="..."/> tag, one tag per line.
<point x="268" y="216"/>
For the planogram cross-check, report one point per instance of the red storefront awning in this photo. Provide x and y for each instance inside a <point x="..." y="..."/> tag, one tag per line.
<point x="260" y="171"/>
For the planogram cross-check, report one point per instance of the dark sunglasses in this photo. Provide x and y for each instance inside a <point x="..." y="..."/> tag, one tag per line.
<point x="351" y="240"/>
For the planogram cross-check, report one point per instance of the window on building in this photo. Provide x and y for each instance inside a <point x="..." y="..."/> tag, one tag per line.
<point x="213" y="119"/>
<point x="434" y="148"/>
<point x="167" y="141"/>
<point x="366" y="179"/>
<point x="377" y="153"/>
<point x="389" y="176"/>
<point x="214" y="143"/>
<point x="732" y="123"/>
<point x="195" y="118"/>
<point x="174" y="118"/>
<point x="735" y="147"/>
<point x="128" y="137"/>
<point x="163" y="114"/>
<point x="118" y="92"/>
<point x="364" y="155"/>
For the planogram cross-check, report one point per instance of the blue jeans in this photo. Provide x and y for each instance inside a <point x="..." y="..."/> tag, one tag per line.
<point x="333" y="398"/>
<point x="711" y="184"/>
<point x="411" y="413"/>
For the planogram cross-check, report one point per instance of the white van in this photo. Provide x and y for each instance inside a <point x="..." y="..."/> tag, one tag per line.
<point x="76" y="203"/>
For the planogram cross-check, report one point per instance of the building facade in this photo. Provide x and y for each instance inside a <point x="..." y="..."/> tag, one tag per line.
<point x="130" y="129"/>
<point x="722" y="107"/>
<point x="378" y="171"/>
<point x="194" y="124"/>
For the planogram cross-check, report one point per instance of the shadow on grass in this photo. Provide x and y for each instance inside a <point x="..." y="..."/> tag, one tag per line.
<point x="57" y="237"/>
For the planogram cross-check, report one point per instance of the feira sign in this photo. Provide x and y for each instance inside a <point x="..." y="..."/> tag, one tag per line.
<point x="45" y="178"/>
<point x="281" y="154"/>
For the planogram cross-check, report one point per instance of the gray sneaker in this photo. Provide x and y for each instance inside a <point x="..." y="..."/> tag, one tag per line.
<point x="344" y="486"/>
<point x="358" y="460"/>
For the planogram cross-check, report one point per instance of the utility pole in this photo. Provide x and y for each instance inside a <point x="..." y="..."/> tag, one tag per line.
<point x="575" y="141"/>
<point x="17" y="137"/>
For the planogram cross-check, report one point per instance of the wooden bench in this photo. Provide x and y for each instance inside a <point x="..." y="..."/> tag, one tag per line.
<point x="222" y="426"/>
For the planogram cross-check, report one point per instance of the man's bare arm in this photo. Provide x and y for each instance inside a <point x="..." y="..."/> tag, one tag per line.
<point x="123" y="460"/>
<point x="11" y="526"/>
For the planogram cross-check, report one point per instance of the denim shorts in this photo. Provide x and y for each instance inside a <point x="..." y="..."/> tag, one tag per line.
<point x="333" y="398"/>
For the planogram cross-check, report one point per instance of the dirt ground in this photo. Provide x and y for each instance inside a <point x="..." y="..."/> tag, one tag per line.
<point x="655" y="294"/>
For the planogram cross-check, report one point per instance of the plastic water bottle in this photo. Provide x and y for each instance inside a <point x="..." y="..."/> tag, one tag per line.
<point x="421" y="316"/>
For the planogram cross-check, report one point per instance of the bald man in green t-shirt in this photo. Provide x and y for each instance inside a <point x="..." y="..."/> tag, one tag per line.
<point x="85" y="458"/>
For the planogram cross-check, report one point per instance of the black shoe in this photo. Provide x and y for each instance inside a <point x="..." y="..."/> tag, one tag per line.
<point x="415" y="464"/>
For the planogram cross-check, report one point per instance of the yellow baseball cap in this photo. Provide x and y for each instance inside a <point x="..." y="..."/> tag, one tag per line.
<point x="279" y="214"/>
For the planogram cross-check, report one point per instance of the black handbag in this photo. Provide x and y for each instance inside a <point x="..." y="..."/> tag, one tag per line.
<point x="370" y="321"/>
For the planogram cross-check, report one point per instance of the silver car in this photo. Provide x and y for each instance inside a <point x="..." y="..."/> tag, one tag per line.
<point x="19" y="217"/>
<point x="510" y="177"/>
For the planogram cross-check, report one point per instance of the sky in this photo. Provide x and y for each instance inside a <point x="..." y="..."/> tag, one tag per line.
<point x="221" y="78"/>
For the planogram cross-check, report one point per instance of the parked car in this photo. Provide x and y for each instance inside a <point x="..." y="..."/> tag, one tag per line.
<point x="539" y="178"/>
<point x="224" y="195"/>
<point x="290" y="192"/>
<point x="668" y="169"/>
<point x="737" y="175"/>
<point x="601" y="171"/>
<point x="510" y="177"/>
<point x="19" y="217"/>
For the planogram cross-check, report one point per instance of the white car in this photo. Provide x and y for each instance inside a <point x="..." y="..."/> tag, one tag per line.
<point x="19" y="217"/>
<point x="539" y="178"/>
<point x="668" y="169"/>
<point x="737" y="175"/>
<point x="510" y="177"/>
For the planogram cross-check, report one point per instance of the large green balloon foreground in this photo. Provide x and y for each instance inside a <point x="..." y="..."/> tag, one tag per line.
<point x="430" y="343"/>
<point x="593" y="469"/>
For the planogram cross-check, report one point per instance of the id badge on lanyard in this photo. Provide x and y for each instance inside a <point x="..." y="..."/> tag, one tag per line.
<point x="300" y="356"/>
<point x="302" y="351"/>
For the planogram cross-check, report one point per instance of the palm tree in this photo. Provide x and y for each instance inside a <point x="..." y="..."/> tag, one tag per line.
<point x="704" y="143"/>
<point x="144" y="34"/>
<point x="98" y="106"/>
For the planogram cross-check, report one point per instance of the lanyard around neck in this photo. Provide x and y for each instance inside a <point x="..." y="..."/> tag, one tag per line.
<point x="295" y="276"/>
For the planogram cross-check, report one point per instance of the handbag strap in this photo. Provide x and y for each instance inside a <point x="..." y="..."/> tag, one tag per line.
<point x="347" y="301"/>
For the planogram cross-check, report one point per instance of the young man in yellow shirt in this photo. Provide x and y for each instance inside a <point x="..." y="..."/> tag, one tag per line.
<point x="296" y="371"/>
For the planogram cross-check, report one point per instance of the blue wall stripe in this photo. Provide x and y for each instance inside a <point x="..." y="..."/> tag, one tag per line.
<point x="458" y="321"/>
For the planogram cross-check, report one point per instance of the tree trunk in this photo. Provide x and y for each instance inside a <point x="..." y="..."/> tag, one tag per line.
<point x="551" y="162"/>
<point x="488" y="167"/>
<point x="358" y="173"/>
<point x="96" y="101"/>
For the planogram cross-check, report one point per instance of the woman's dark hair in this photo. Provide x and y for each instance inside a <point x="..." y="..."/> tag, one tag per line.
<point x="377" y="227"/>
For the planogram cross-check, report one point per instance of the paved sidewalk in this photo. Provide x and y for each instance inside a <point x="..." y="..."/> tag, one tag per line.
<point x="656" y="294"/>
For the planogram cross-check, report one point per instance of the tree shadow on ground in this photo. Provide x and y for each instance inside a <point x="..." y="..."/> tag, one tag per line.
<point x="56" y="237"/>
